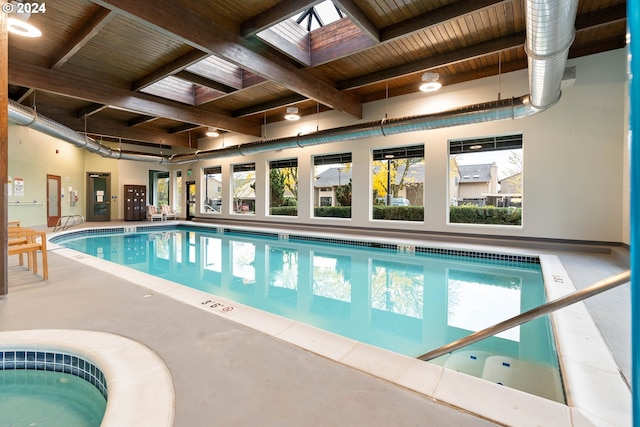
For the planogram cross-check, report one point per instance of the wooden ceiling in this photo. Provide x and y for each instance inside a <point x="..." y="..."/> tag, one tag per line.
<point x="161" y="72"/>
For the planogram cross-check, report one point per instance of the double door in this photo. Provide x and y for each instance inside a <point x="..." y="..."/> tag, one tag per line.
<point x="135" y="202"/>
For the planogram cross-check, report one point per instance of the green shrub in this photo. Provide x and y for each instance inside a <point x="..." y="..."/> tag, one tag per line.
<point x="400" y="213"/>
<point x="284" y="210"/>
<point x="473" y="214"/>
<point x="333" y="211"/>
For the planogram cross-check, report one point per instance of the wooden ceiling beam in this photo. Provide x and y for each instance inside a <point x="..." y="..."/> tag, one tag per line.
<point x="278" y="13"/>
<point x="172" y="19"/>
<point x="486" y="48"/>
<point x="203" y="81"/>
<point x="266" y="106"/>
<point x="89" y="29"/>
<point x="95" y="91"/>
<point x="436" y="17"/>
<point x="169" y="69"/>
<point x="583" y="23"/>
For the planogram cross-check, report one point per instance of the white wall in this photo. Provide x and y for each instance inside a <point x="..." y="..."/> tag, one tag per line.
<point x="33" y="155"/>
<point x="574" y="155"/>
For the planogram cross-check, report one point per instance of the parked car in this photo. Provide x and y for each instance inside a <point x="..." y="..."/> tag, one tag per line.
<point x="399" y="201"/>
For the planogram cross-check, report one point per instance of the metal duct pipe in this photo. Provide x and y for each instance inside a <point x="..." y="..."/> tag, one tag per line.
<point x="496" y="110"/>
<point x="26" y="116"/>
<point x="550" y="32"/>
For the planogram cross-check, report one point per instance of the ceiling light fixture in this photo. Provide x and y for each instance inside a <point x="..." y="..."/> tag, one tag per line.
<point x="430" y="82"/>
<point x="292" y="113"/>
<point x="17" y="19"/>
<point x="212" y="132"/>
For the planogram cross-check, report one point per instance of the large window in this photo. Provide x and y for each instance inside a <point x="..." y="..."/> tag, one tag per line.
<point x="212" y="195"/>
<point x="398" y="183"/>
<point x="283" y="187"/>
<point x="244" y="188"/>
<point x="159" y="185"/>
<point x="485" y="180"/>
<point x="332" y="185"/>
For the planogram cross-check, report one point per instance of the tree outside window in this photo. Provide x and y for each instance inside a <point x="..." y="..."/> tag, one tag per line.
<point x="283" y="187"/>
<point x="398" y="183"/>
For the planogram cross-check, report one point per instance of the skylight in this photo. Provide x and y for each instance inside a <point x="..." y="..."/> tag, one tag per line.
<point x="318" y="15"/>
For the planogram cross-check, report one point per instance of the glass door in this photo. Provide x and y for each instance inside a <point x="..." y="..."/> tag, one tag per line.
<point x="191" y="200"/>
<point x="98" y="196"/>
<point x="53" y="200"/>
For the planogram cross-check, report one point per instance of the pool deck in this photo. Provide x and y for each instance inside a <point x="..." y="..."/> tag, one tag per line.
<point x="225" y="372"/>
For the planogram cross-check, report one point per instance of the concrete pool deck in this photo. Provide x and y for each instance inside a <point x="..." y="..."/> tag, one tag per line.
<point x="226" y="372"/>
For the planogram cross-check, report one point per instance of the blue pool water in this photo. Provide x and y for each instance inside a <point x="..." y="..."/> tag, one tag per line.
<point x="43" y="398"/>
<point x="406" y="301"/>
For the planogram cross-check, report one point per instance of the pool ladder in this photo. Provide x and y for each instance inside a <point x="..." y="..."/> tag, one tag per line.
<point x="68" y="221"/>
<point x="546" y="308"/>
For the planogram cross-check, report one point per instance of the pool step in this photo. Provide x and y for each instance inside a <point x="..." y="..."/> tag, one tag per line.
<point x="513" y="373"/>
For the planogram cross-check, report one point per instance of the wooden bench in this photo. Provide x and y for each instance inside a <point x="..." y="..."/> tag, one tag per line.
<point x="25" y="241"/>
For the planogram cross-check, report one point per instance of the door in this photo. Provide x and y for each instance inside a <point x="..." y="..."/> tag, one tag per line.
<point x="53" y="200"/>
<point x="191" y="200"/>
<point x="98" y="196"/>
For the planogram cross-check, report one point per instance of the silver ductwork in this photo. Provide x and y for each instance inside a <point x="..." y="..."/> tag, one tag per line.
<point x="550" y="33"/>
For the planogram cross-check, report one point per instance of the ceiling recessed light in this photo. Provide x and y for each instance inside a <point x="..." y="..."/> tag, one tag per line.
<point x="20" y="27"/>
<point x="292" y="113"/>
<point x="430" y="82"/>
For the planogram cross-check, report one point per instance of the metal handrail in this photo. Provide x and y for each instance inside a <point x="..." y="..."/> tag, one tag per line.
<point x="546" y="308"/>
<point x="77" y="219"/>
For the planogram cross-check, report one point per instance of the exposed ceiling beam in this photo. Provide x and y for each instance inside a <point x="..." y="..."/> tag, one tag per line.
<point x="203" y="81"/>
<point x="169" y="69"/>
<point x="278" y="13"/>
<point x="359" y="18"/>
<point x="271" y="105"/>
<point x="116" y="130"/>
<point x="194" y="30"/>
<point x="491" y="46"/>
<point x="89" y="29"/>
<point x="95" y="91"/>
<point x="436" y="17"/>
<point x="586" y="22"/>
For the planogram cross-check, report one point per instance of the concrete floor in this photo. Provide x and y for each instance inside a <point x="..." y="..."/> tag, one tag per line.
<point x="226" y="373"/>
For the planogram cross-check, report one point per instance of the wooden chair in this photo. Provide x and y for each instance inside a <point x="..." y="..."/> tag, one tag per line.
<point x="27" y="241"/>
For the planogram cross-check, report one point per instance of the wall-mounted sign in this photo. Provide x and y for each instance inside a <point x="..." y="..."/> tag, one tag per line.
<point x="18" y="187"/>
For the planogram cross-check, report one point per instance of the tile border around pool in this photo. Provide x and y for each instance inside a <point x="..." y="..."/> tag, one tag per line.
<point x="21" y="359"/>
<point x="596" y="393"/>
<point x="139" y="383"/>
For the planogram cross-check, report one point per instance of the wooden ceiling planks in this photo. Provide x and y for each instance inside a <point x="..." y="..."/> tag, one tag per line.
<point x="462" y="40"/>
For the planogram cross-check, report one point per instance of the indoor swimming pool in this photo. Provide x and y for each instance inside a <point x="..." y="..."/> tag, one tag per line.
<point x="405" y="299"/>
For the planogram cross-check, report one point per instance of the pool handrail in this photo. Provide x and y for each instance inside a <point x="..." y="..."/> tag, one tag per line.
<point x="546" y="308"/>
<point x="74" y="219"/>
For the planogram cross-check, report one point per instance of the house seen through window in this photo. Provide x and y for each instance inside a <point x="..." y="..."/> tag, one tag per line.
<point x="485" y="180"/>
